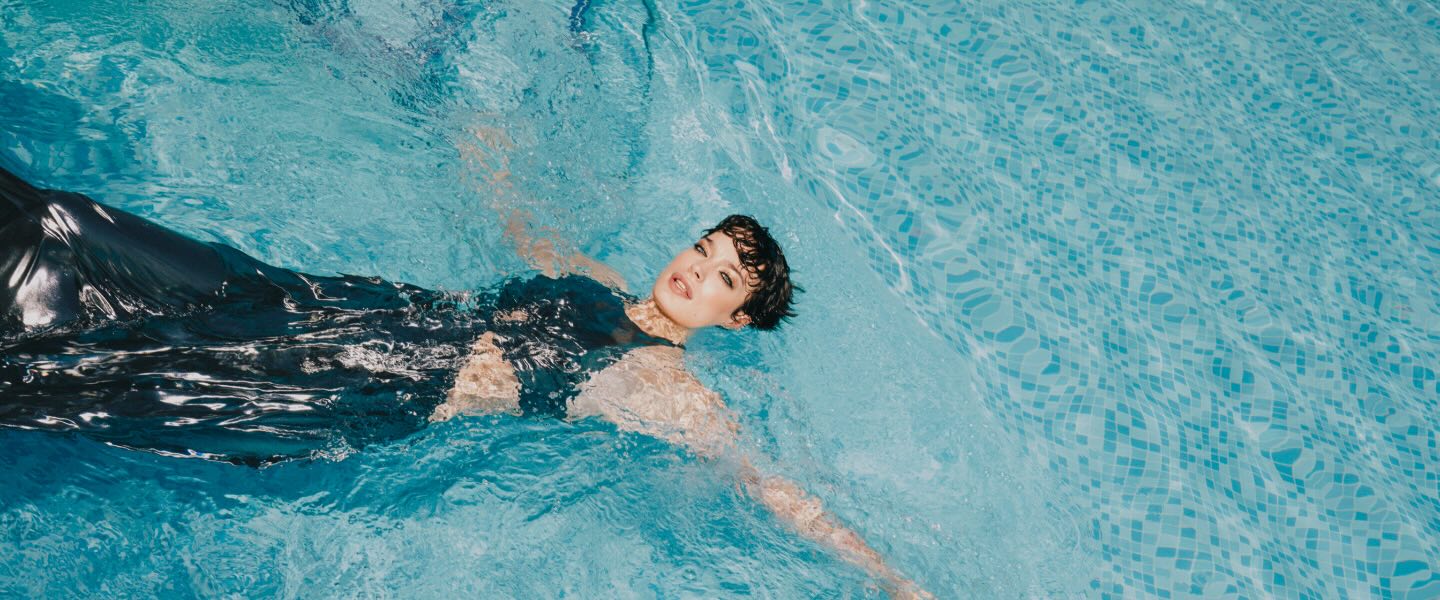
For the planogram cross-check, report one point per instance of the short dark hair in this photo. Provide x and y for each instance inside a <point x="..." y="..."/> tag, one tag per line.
<point x="771" y="292"/>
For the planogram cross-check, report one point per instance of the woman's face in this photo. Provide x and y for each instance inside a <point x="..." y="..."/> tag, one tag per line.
<point x="704" y="285"/>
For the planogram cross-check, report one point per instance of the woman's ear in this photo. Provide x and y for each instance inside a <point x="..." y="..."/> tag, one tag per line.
<point x="737" y="321"/>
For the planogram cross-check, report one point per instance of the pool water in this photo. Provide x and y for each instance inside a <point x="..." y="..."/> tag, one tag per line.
<point x="1103" y="299"/>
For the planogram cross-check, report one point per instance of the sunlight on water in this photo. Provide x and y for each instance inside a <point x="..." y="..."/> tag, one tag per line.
<point x="1101" y="299"/>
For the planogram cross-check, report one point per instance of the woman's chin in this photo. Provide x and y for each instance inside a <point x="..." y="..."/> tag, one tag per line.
<point x="665" y="298"/>
<point x="669" y="306"/>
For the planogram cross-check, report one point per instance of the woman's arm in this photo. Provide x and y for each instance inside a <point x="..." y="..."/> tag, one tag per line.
<point x="541" y="250"/>
<point x="807" y="516"/>
<point x="544" y="254"/>
<point x="649" y="391"/>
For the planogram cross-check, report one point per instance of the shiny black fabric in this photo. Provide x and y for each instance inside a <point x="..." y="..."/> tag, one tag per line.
<point x="556" y="333"/>
<point x="135" y="335"/>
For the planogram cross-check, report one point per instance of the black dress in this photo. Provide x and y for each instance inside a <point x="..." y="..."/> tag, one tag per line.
<point x="129" y="333"/>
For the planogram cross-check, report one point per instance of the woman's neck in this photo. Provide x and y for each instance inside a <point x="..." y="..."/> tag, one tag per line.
<point x="648" y="317"/>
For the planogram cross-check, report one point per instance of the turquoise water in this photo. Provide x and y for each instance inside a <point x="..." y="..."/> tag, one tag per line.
<point x="1103" y="299"/>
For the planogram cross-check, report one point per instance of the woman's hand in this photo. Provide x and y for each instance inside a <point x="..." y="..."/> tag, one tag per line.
<point x="904" y="589"/>
<point x="807" y="515"/>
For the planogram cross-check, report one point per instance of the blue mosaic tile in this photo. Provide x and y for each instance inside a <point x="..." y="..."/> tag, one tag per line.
<point x="1192" y="247"/>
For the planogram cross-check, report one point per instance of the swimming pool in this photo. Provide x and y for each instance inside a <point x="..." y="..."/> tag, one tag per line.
<point x="1103" y="299"/>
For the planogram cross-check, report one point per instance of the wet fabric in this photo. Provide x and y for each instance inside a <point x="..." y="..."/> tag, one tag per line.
<point x="556" y="333"/>
<point x="138" y="336"/>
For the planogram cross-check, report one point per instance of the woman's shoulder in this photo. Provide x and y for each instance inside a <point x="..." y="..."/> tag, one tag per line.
<point x="650" y="391"/>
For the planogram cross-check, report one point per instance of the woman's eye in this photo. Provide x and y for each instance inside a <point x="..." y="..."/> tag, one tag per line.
<point x="726" y="277"/>
<point x="700" y="249"/>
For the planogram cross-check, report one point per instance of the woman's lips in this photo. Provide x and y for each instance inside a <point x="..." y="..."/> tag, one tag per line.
<point x="679" y="286"/>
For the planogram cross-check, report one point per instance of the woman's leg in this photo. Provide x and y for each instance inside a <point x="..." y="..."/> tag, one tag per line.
<point x="197" y="349"/>
<point x="63" y="255"/>
<point x="34" y="291"/>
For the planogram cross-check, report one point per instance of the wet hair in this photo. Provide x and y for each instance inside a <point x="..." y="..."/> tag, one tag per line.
<point x="771" y="292"/>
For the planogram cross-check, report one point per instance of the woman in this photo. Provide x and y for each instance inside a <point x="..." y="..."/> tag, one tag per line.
<point x="140" y="337"/>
